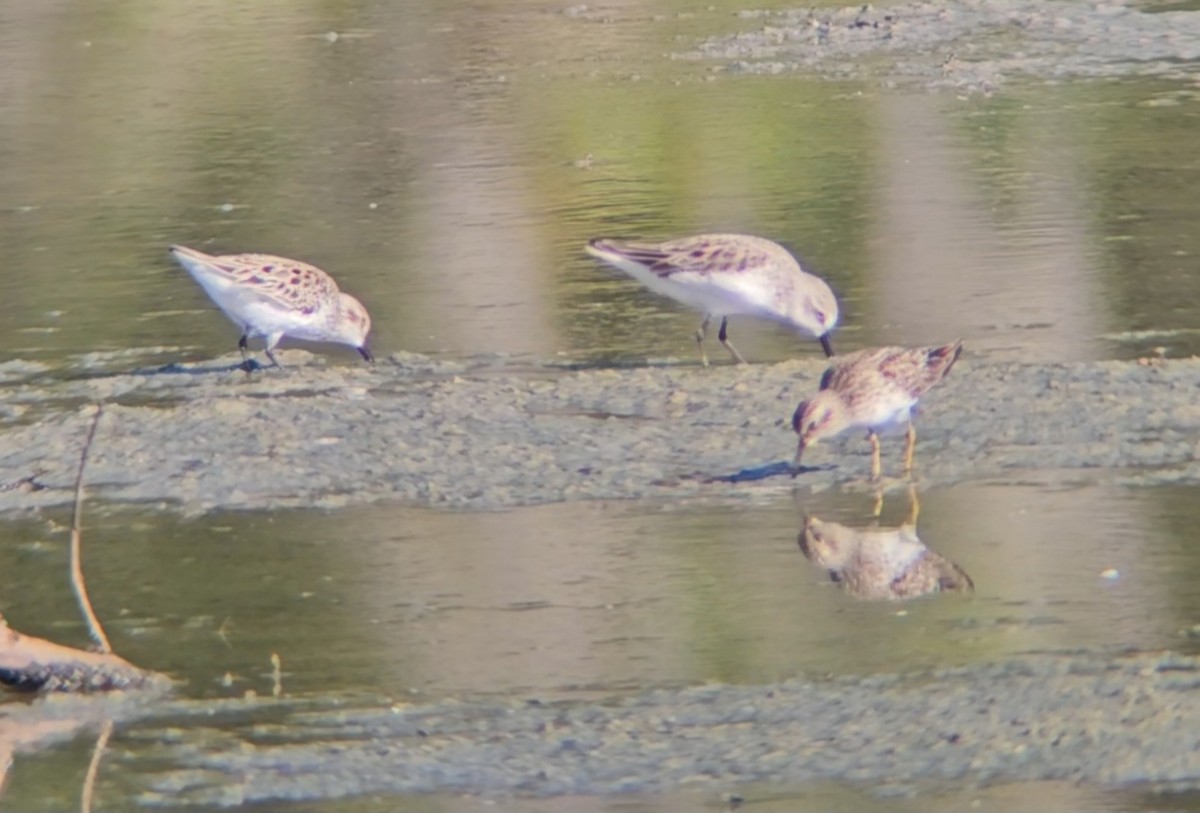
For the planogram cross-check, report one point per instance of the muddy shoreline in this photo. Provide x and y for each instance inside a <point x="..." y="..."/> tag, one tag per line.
<point x="1128" y="720"/>
<point x="480" y="436"/>
<point x="965" y="46"/>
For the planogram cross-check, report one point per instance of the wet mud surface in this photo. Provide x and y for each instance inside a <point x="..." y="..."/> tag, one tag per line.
<point x="1081" y="719"/>
<point x="969" y="46"/>
<point x="483" y="436"/>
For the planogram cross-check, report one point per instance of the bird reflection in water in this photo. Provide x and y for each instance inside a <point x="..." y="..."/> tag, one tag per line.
<point x="879" y="563"/>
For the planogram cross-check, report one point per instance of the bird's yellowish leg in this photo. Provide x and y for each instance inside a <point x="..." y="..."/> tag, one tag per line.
<point x="723" y="335"/>
<point x="914" y="505"/>
<point x="910" y="446"/>
<point x="876" y="464"/>
<point x="701" y="332"/>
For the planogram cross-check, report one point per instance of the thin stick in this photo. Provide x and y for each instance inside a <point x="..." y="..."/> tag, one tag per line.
<point x="89" y="781"/>
<point x="81" y="594"/>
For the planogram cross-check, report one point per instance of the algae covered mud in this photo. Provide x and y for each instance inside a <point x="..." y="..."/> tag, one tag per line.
<point x="1079" y="720"/>
<point x="967" y="45"/>
<point x="483" y="436"/>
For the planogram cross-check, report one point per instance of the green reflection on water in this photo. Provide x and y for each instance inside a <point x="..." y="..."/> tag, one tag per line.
<point x="427" y="158"/>
<point x="564" y="597"/>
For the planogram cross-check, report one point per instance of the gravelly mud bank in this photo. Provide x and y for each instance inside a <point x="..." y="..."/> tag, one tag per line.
<point x="1080" y="719"/>
<point x="968" y="45"/>
<point x="482" y="437"/>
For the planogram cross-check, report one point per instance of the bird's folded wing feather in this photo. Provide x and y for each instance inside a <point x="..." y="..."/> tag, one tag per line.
<point x="287" y="283"/>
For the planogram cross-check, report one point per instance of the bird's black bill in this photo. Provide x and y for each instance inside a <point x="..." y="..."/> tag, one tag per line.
<point x="826" y="346"/>
<point x="365" y="353"/>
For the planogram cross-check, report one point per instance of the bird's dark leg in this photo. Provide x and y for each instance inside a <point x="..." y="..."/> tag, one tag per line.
<point x="244" y="346"/>
<point x="724" y="337"/>
<point x="701" y="332"/>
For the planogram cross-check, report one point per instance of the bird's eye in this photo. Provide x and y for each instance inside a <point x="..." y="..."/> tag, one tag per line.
<point x="812" y="425"/>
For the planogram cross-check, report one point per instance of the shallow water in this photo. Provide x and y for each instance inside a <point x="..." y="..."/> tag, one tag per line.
<point x="591" y="600"/>
<point x="609" y="597"/>
<point x="430" y="159"/>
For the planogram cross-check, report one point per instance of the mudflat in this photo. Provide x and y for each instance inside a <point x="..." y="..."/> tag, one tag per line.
<point x="487" y="435"/>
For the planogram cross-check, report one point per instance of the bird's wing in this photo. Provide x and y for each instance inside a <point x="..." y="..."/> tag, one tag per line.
<point x="290" y="284"/>
<point x="916" y="370"/>
<point x="701" y="255"/>
<point x="704" y="255"/>
<point x="844" y="370"/>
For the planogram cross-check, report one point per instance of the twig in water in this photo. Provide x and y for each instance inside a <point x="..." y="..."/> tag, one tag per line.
<point x="89" y="781"/>
<point x="223" y="631"/>
<point x="35" y="664"/>
<point x="77" y="583"/>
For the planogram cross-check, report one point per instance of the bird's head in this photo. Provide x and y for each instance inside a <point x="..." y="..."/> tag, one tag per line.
<point x="354" y="323"/>
<point x="815" y="310"/>
<point x="821" y="416"/>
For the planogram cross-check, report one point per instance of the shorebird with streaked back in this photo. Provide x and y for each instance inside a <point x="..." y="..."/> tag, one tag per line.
<point x="872" y="388"/>
<point x="273" y="297"/>
<point x="728" y="275"/>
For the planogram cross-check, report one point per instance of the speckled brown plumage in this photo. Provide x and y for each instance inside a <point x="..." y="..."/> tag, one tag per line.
<point x="872" y="388"/>
<point x="272" y="297"/>
<point x="288" y="283"/>
<point x="726" y="275"/>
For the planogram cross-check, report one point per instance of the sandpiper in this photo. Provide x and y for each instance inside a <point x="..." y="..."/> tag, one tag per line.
<point x="872" y="388"/>
<point x="273" y="297"/>
<point x="728" y="275"/>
